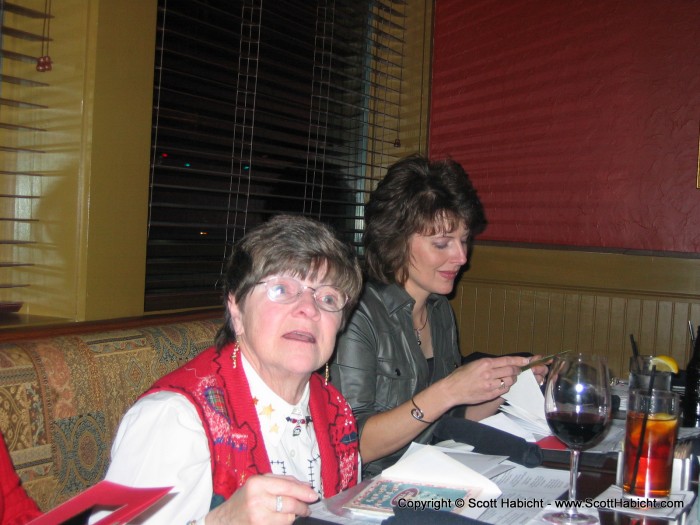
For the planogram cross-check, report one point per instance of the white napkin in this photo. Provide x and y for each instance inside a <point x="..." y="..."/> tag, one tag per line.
<point x="429" y="465"/>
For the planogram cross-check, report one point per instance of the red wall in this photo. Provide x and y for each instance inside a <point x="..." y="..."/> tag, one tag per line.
<point x="578" y="120"/>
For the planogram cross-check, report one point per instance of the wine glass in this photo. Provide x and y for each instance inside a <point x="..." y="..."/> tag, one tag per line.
<point x="578" y="410"/>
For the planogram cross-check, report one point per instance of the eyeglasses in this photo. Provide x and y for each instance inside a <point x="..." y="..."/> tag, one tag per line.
<point x="287" y="290"/>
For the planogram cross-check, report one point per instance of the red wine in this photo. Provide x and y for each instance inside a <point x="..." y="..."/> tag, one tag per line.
<point x="576" y="430"/>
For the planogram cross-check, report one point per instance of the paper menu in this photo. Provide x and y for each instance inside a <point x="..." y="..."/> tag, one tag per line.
<point x="512" y="425"/>
<point x="525" y="394"/>
<point x="128" y="503"/>
<point x="382" y="495"/>
<point x="526" y="402"/>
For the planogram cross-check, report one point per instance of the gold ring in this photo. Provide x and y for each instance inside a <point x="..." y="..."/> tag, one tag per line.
<point x="502" y="385"/>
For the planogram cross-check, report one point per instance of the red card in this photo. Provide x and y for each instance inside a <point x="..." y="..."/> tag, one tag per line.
<point x="552" y="443"/>
<point x="128" y="503"/>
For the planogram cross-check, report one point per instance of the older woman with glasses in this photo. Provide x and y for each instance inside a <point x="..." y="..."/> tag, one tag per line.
<point x="247" y="432"/>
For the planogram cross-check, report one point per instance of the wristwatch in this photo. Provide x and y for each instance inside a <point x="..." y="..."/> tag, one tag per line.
<point x="418" y="415"/>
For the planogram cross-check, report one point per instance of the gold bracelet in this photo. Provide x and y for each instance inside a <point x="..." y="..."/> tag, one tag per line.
<point x="418" y="415"/>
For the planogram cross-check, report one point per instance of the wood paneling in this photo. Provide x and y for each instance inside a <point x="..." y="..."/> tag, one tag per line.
<point x="543" y="301"/>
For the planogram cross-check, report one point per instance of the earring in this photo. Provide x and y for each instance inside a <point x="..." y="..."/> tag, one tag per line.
<point x="325" y="381"/>
<point x="236" y="348"/>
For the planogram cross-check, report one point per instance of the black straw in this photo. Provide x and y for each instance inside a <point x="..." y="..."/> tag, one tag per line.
<point x="644" y="429"/>
<point x="635" y="353"/>
<point x="692" y="333"/>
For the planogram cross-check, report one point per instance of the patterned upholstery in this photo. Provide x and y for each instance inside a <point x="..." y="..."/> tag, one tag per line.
<point x="61" y="398"/>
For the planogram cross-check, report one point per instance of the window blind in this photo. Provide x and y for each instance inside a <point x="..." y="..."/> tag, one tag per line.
<point x="23" y="37"/>
<point x="262" y="108"/>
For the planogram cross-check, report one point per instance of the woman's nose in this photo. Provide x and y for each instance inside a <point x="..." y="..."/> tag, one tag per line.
<point x="461" y="254"/>
<point x="307" y="302"/>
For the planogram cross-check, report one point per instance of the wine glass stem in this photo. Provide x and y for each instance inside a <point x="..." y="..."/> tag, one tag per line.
<point x="573" y="474"/>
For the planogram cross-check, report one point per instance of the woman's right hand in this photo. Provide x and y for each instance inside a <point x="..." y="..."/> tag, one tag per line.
<point x="484" y="379"/>
<point x="257" y="502"/>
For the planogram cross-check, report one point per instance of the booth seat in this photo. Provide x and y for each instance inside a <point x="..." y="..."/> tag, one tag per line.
<point x="64" y="390"/>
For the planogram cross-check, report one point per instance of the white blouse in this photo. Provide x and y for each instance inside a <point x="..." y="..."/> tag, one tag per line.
<point x="287" y="431"/>
<point x="161" y="442"/>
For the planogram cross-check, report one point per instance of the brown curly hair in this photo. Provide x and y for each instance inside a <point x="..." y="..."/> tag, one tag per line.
<point x="416" y="196"/>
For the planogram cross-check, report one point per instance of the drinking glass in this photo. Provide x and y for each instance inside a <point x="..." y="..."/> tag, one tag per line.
<point x="578" y="410"/>
<point x="640" y="373"/>
<point x="650" y="442"/>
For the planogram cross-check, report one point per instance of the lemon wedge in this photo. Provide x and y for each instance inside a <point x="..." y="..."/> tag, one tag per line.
<point x="665" y="363"/>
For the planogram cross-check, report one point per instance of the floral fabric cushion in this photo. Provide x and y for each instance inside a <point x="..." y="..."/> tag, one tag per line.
<point x="61" y="398"/>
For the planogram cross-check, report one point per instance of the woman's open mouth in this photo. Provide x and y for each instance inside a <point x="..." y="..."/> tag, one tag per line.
<point x="304" y="337"/>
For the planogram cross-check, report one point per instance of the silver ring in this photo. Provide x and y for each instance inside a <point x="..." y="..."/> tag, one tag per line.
<point x="502" y="385"/>
<point x="278" y="504"/>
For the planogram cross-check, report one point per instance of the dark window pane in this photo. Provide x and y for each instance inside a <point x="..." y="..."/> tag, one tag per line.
<point x="260" y="108"/>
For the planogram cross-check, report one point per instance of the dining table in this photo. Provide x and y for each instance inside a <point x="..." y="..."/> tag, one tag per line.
<point x="597" y="472"/>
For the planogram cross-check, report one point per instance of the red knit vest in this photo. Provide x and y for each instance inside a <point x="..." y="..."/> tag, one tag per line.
<point x="221" y="395"/>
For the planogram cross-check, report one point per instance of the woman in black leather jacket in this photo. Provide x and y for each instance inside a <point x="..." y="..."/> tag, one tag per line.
<point x="398" y="362"/>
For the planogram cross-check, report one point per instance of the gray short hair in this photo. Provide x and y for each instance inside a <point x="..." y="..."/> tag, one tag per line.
<point x="294" y="245"/>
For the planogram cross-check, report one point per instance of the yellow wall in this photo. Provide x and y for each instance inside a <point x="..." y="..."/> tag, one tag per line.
<point x="89" y="256"/>
<point x="120" y="73"/>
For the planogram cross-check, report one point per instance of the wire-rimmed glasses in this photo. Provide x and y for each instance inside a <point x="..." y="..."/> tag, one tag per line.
<point x="286" y="290"/>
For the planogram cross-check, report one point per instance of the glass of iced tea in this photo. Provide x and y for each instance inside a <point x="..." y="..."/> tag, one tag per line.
<point x="650" y="440"/>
